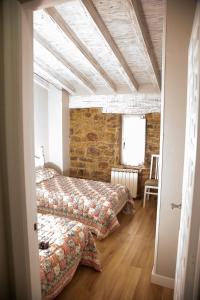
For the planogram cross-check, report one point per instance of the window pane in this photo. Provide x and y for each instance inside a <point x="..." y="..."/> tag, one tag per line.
<point x="133" y="140"/>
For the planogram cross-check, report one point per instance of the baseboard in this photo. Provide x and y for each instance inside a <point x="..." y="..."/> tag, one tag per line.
<point x="162" y="280"/>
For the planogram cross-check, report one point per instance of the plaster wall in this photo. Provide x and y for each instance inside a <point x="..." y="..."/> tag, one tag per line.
<point x="55" y="127"/>
<point x="179" y="19"/>
<point x="41" y="120"/>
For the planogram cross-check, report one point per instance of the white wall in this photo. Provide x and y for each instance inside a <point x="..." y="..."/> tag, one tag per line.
<point x="51" y="124"/>
<point x="179" y="18"/>
<point x="65" y="131"/>
<point x="55" y="127"/>
<point x="41" y="120"/>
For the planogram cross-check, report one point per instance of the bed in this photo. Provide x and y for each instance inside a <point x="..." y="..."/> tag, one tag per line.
<point x="70" y="244"/>
<point x="93" y="203"/>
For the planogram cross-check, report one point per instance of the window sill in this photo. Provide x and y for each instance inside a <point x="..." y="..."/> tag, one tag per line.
<point x="139" y="168"/>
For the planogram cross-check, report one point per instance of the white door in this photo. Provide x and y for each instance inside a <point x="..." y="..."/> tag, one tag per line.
<point x="187" y="268"/>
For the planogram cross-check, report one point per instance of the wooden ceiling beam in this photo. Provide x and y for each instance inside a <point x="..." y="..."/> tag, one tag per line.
<point x="124" y="103"/>
<point x="119" y="98"/>
<point x="47" y="78"/>
<point x="143" y="34"/>
<point x="66" y="85"/>
<point x="96" y="18"/>
<point x="41" y="4"/>
<point x="79" y="76"/>
<point x="53" y="13"/>
<point x="41" y="81"/>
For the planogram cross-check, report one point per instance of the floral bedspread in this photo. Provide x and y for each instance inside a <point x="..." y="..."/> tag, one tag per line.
<point x="93" y="203"/>
<point x="70" y="243"/>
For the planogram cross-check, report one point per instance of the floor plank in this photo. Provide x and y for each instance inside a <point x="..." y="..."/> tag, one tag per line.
<point x="127" y="260"/>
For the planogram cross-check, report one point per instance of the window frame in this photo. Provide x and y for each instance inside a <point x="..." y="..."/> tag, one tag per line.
<point x="121" y="141"/>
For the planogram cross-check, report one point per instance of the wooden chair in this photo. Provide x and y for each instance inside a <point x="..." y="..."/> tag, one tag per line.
<point x="151" y="185"/>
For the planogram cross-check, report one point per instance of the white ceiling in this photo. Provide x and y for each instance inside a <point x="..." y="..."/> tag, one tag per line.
<point x="107" y="47"/>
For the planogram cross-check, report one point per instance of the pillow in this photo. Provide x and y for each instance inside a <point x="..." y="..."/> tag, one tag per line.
<point x="44" y="174"/>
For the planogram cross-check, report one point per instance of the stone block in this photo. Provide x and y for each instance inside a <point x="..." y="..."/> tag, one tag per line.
<point x="103" y="165"/>
<point x="75" y="139"/>
<point x="91" y="136"/>
<point x="93" y="151"/>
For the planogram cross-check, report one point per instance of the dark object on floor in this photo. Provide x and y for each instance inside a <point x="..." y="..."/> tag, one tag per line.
<point x="43" y="245"/>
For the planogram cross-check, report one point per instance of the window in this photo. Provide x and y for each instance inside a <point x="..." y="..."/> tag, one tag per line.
<point x="133" y="140"/>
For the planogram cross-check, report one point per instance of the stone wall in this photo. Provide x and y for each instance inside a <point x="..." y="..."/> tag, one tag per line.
<point x="152" y="146"/>
<point x="95" y="144"/>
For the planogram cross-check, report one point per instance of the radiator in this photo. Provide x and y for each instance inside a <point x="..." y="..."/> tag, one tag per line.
<point x="128" y="177"/>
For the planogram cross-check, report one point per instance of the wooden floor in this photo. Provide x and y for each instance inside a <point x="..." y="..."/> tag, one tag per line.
<point x="127" y="260"/>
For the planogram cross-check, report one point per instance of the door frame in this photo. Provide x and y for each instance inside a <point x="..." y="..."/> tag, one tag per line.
<point x="18" y="172"/>
<point x="191" y="282"/>
<point x="18" y="55"/>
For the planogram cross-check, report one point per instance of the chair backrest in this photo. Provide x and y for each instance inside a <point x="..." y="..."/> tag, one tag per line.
<point x="154" y="168"/>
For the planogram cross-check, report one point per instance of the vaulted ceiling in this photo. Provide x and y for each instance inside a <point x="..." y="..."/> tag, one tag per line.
<point x="101" y="47"/>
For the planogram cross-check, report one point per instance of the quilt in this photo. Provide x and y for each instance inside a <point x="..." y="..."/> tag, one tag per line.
<point x="70" y="243"/>
<point x="93" y="203"/>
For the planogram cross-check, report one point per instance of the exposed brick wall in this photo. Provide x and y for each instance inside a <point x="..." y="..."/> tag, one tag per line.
<point x="152" y="136"/>
<point x="95" y="144"/>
